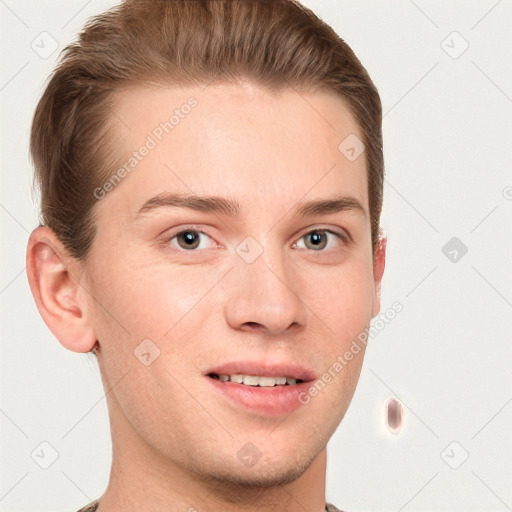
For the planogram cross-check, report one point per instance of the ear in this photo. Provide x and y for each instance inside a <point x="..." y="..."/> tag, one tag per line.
<point x="54" y="279"/>
<point x="379" y="262"/>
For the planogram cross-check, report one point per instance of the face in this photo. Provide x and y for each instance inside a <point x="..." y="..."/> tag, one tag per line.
<point x="186" y="292"/>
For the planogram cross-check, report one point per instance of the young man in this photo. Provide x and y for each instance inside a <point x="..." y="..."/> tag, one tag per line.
<point x="211" y="185"/>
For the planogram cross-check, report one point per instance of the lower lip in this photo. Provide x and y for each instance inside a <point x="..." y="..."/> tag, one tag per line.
<point x="273" y="401"/>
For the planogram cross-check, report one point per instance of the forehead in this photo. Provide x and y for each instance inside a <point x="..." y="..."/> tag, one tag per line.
<point x="236" y="140"/>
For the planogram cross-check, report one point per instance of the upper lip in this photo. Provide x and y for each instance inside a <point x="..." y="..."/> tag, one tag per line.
<point x="264" y="369"/>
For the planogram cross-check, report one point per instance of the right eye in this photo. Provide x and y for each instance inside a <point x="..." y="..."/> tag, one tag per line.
<point x="187" y="239"/>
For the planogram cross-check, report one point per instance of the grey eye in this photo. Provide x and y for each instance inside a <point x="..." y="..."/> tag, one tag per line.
<point x="318" y="239"/>
<point x="188" y="239"/>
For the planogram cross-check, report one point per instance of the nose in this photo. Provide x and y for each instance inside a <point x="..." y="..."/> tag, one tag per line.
<point x="265" y="295"/>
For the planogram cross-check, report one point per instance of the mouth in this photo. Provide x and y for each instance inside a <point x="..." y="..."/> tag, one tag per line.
<point x="256" y="380"/>
<point x="261" y="373"/>
<point x="264" y="388"/>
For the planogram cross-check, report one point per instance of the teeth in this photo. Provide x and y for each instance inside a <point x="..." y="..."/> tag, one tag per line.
<point x="250" y="380"/>
<point x="254" y="380"/>
<point x="266" y="381"/>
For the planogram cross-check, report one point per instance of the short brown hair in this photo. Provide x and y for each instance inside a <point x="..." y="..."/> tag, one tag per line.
<point x="273" y="43"/>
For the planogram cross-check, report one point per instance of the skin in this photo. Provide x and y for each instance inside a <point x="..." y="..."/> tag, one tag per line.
<point x="175" y="440"/>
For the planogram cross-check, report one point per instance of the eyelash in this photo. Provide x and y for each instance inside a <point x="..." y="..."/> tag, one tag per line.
<point x="344" y="239"/>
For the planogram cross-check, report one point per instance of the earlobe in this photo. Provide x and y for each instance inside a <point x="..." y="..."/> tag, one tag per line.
<point x="379" y="264"/>
<point x="59" y="296"/>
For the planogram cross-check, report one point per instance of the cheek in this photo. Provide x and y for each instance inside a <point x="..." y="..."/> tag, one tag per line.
<point x="155" y="300"/>
<point x="343" y="300"/>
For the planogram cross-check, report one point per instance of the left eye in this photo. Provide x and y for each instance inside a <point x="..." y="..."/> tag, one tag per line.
<point x="317" y="240"/>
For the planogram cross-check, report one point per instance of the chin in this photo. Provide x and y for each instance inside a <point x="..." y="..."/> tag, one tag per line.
<point x="231" y="479"/>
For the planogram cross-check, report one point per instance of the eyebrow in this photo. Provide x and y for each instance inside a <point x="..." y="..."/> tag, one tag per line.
<point x="230" y="207"/>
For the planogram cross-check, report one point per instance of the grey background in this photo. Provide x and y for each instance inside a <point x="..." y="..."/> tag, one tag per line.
<point x="446" y="356"/>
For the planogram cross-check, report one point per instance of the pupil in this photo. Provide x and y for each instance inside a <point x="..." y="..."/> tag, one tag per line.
<point x="316" y="239"/>
<point x="190" y="239"/>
